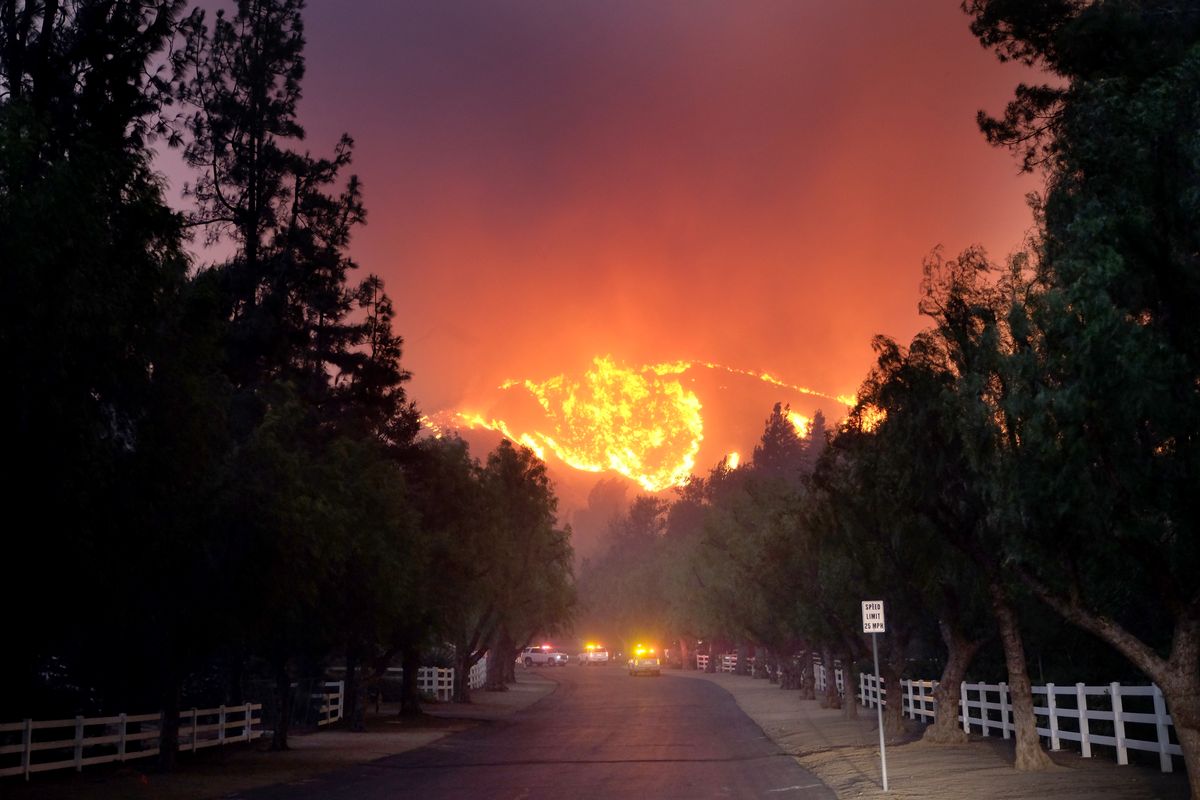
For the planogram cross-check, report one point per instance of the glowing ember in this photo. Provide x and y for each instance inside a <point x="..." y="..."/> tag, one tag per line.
<point x="732" y="460"/>
<point x="871" y="417"/>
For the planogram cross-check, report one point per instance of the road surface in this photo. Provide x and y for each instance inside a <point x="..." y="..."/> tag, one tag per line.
<point x="601" y="734"/>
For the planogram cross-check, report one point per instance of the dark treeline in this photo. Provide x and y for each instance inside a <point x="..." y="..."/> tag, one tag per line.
<point x="215" y="467"/>
<point x="1020" y="479"/>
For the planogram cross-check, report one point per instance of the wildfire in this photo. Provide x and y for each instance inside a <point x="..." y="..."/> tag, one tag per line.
<point x="801" y="423"/>
<point x="871" y="417"/>
<point x="637" y="421"/>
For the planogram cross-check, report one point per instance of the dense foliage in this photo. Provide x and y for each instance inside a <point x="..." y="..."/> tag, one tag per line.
<point x="221" y="458"/>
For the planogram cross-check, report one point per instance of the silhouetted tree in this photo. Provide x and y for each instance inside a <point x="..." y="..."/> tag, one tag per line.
<point x="1098" y="411"/>
<point x="290" y="216"/>
<point x="92" y="275"/>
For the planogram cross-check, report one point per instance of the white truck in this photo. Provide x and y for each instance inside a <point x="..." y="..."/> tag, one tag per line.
<point x="543" y="656"/>
<point x="593" y="654"/>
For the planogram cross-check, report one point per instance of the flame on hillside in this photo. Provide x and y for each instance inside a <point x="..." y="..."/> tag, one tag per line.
<point x="801" y="423"/>
<point x="637" y="421"/>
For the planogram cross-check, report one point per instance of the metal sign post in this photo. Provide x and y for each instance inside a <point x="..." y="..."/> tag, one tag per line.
<point x="874" y="624"/>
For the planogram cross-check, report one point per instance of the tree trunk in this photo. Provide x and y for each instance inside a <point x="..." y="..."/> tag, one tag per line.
<point x="1189" y="742"/>
<point x="850" y="710"/>
<point x="850" y="705"/>
<point x="947" y="695"/>
<point x="501" y="651"/>
<point x="283" y="705"/>
<point x="169" y="737"/>
<point x="1178" y="676"/>
<point x="788" y="679"/>
<point x="464" y="659"/>
<point x="893" y="711"/>
<point x="829" y="697"/>
<point x="686" y="659"/>
<point x="410" y="669"/>
<point x="808" y="679"/>
<point x="1030" y="755"/>
<point x="510" y="666"/>
<point x="772" y="658"/>
<point x="743" y="659"/>
<point x="353" y="699"/>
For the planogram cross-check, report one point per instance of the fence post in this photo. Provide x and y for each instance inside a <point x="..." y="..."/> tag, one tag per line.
<point x="966" y="709"/>
<point x="1005" y="706"/>
<point x="123" y="725"/>
<point x="1160" y="722"/>
<point x="1052" y="712"/>
<point x="27" y="752"/>
<point x="1118" y="724"/>
<point x="341" y="708"/>
<point x="78" y="743"/>
<point x="194" y="715"/>
<point x="912" y="710"/>
<point x="249" y="722"/>
<point x="984" y="720"/>
<point x="862" y="688"/>
<point x="1085" y="739"/>
<point x="221" y="725"/>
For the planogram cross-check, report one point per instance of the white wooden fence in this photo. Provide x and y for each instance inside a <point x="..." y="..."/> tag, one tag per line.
<point x="439" y="681"/>
<point x="727" y="662"/>
<point x="819" y="678"/>
<point x="123" y="737"/>
<point x="332" y="700"/>
<point x="1067" y="713"/>
<point x="82" y="741"/>
<point x="477" y="677"/>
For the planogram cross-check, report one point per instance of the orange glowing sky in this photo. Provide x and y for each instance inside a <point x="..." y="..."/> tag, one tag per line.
<point x="750" y="183"/>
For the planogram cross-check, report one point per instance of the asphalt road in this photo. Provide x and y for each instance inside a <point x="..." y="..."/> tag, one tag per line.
<point x="601" y="734"/>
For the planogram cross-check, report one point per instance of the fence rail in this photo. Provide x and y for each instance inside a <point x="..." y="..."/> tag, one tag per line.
<point x="726" y="662"/>
<point x="1066" y="713"/>
<point x="819" y="673"/>
<point x="436" y="681"/>
<point x="477" y="676"/>
<point x="121" y="737"/>
<point x="439" y="681"/>
<point x="33" y="746"/>
<point x="332" y="701"/>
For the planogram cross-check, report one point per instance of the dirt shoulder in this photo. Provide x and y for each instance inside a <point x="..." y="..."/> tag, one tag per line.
<point x="229" y="771"/>
<point x="844" y="753"/>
